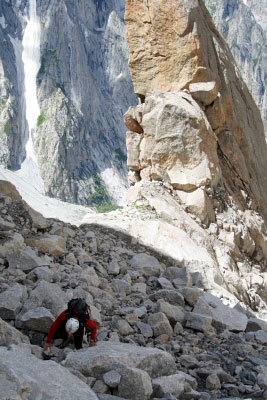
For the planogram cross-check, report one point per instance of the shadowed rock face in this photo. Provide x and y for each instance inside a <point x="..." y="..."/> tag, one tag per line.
<point x="84" y="88"/>
<point x="175" y="47"/>
<point x="243" y="25"/>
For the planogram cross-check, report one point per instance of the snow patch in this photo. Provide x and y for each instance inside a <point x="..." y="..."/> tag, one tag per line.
<point x="48" y="207"/>
<point x="3" y="22"/>
<point x="115" y="185"/>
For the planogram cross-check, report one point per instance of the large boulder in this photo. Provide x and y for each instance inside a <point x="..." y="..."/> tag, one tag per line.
<point x="98" y="360"/>
<point x="22" y="372"/>
<point x="223" y="316"/>
<point x="51" y="244"/>
<point x="12" y="300"/>
<point x="10" y="335"/>
<point x="199" y="120"/>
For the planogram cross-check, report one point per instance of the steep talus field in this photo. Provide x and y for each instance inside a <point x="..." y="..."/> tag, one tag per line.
<point x="176" y="279"/>
<point x="165" y="329"/>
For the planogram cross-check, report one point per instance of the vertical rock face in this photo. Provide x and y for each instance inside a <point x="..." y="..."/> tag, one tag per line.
<point x="12" y="105"/>
<point x="84" y="89"/>
<point x="244" y="25"/>
<point x="201" y="128"/>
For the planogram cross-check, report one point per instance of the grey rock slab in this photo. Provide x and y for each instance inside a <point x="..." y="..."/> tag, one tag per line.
<point x="12" y="243"/>
<point x="112" y="378"/>
<point x="199" y="322"/>
<point x="6" y="225"/>
<point x="39" y="319"/>
<point x="261" y="337"/>
<point x="145" y="329"/>
<point x="171" y="296"/>
<point x="174" y="384"/>
<point x="42" y="273"/>
<point x="165" y="283"/>
<point x="191" y="294"/>
<point x="109" y="397"/>
<point x="224" y="317"/>
<point x="160" y="324"/>
<point x="172" y="312"/>
<point x="95" y="361"/>
<point x="11" y="301"/>
<point x="48" y="295"/>
<point x="25" y="260"/>
<point x="257" y="361"/>
<point x="10" y="335"/>
<point x="51" y="244"/>
<point x="149" y="265"/>
<point x="135" y="384"/>
<point x="38" y="379"/>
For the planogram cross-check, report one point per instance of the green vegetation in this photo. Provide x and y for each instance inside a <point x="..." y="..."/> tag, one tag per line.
<point x="100" y="195"/>
<point x="7" y="128"/>
<point x="3" y="104"/>
<point x="100" y="198"/>
<point x="105" y="208"/>
<point x="213" y="9"/>
<point x="41" y="119"/>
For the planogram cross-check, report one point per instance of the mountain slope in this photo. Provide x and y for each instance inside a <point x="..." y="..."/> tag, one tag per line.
<point x="84" y="88"/>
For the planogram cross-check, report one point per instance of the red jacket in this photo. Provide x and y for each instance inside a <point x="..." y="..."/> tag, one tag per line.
<point x="62" y="319"/>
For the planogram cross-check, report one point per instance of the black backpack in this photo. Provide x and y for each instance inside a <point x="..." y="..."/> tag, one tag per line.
<point x="81" y="306"/>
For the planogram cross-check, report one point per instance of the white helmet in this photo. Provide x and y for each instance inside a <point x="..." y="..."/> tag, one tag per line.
<point x="72" y="325"/>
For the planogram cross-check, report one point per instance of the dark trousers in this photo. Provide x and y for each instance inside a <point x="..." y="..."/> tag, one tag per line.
<point x="77" y="336"/>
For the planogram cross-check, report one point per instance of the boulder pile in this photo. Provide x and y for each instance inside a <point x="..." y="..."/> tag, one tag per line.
<point x="163" y="332"/>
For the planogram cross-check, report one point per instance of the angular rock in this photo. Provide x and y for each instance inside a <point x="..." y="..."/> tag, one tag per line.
<point x="174" y="384"/>
<point x="112" y="378"/>
<point x="25" y="260"/>
<point x="19" y="370"/>
<point x="6" y="225"/>
<point x="213" y="382"/>
<point x="172" y="312"/>
<point x="11" y="301"/>
<point x="199" y="322"/>
<point x="191" y="294"/>
<point x="133" y="141"/>
<point x="50" y="244"/>
<point x="11" y="243"/>
<point x="198" y="204"/>
<point x="169" y="295"/>
<point x="146" y="264"/>
<point x="224" y="317"/>
<point x="10" y="335"/>
<point x="39" y="319"/>
<point x="145" y="329"/>
<point x="261" y="337"/>
<point x="98" y="360"/>
<point x="204" y="92"/>
<point x="135" y="384"/>
<point x="48" y="295"/>
<point x="160" y="324"/>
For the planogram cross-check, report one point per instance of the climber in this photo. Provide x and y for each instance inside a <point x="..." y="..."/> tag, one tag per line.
<point x="72" y="324"/>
